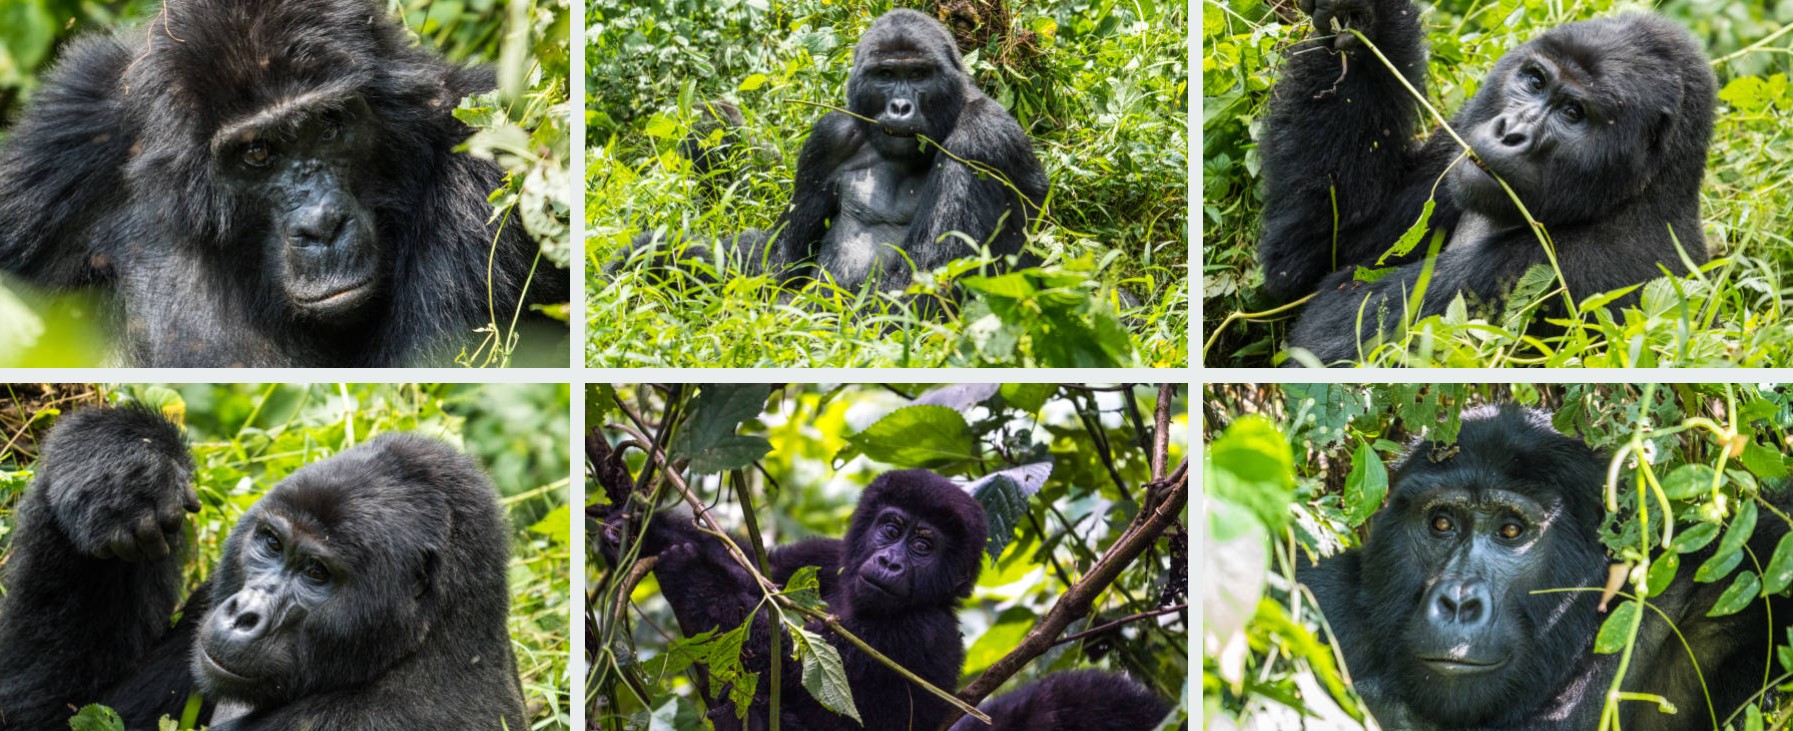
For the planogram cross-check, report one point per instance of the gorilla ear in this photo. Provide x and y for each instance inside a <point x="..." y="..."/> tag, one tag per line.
<point x="425" y="580"/>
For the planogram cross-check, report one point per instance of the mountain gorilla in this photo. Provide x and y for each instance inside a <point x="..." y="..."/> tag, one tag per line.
<point x="1439" y="616"/>
<point x="366" y="591"/>
<point x="875" y="196"/>
<point x="1600" y="127"/>
<point x="266" y="183"/>
<point x="913" y="549"/>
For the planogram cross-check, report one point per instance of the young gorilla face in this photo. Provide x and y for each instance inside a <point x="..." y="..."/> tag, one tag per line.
<point x="1578" y="118"/>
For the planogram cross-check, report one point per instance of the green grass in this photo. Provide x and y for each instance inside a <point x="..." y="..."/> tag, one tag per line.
<point x="1099" y="88"/>
<point x="1729" y="313"/>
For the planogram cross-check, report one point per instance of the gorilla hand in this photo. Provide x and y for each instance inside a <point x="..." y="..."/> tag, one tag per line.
<point x="119" y="483"/>
<point x="1340" y="17"/>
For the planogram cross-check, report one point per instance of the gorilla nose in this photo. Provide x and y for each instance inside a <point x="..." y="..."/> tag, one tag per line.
<point x="1510" y="133"/>
<point x="900" y="109"/>
<point x="317" y="225"/>
<point x="246" y="617"/>
<point x="1460" y="603"/>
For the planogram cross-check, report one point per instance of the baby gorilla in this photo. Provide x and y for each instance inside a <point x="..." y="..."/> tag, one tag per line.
<point x="353" y="585"/>
<point x="1600" y="128"/>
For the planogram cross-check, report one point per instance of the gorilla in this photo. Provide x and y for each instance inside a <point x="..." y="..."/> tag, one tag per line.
<point x="366" y="591"/>
<point x="1439" y="622"/>
<point x="1600" y="127"/>
<point x="267" y="183"/>
<point x="913" y="549"/>
<point x="922" y="155"/>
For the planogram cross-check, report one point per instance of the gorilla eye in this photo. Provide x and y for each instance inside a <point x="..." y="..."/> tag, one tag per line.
<point x="269" y="541"/>
<point x="316" y="573"/>
<point x="889" y="531"/>
<point x="1442" y="523"/>
<point x="1573" y="112"/>
<point x="1511" y="530"/>
<point x="921" y="546"/>
<point x="1533" y="78"/>
<point x="332" y="130"/>
<point x="257" y="154"/>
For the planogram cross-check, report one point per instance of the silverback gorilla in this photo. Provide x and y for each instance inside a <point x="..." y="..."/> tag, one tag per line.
<point x="1600" y="127"/>
<point x="913" y="549"/>
<point x="1440" y="618"/>
<point x="873" y="200"/>
<point x="266" y="183"/>
<point x="366" y="591"/>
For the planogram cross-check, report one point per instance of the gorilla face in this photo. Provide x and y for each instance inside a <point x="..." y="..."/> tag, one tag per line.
<point x="908" y="77"/>
<point x="900" y="561"/>
<point x="293" y="165"/>
<point x="1574" y="121"/>
<point x="325" y="583"/>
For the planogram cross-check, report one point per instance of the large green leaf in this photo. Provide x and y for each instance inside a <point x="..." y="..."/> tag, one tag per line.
<point x="707" y="436"/>
<point x="915" y="436"/>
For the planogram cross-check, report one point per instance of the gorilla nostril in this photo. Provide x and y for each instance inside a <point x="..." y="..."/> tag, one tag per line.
<point x="246" y="622"/>
<point x="901" y="108"/>
<point x="1515" y="139"/>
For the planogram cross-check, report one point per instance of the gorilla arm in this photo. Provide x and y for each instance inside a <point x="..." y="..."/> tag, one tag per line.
<point x="60" y="171"/>
<point x="1341" y="179"/>
<point x="95" y="571"/>
<point x="959" y="198"/>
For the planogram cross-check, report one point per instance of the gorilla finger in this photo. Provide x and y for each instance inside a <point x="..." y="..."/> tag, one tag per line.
<point x="190" y="498"/>
<point x="151" y="542"/>
<point x="124" y="546"/>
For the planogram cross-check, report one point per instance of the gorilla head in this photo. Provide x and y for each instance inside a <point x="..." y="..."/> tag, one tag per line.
<point x="1587" y="117"/>
<point x="916" y="540"/>
<point x="907" y="75"/>
<point x="1468" y="533"/>
<point x="390" y="555"/>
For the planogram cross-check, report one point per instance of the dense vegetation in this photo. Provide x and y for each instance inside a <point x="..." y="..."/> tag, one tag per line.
<point x="1100" y="86"/>
<point x="246" y="438"/>
<point x="1292" y="473"/>
<point x="1728" y="313"/>
<point x="1075" y="467"/>
<point x="522" y="126"/>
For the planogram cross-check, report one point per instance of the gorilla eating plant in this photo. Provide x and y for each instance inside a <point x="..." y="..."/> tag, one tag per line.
<point x="884" y="595"/>
<point x="1585" y="151"/>
<point x="367" y="590"/>
<point x="267" y="183"/>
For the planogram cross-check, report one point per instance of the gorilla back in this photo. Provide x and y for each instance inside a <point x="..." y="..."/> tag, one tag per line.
<point x="1445" y="618"/>
<point x="366" y="591"/>
<point x="1600" y="127"/>
<point x="265" y="183"/>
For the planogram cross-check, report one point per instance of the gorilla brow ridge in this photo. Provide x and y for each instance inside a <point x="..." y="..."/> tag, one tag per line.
<point x="282" y="116"/>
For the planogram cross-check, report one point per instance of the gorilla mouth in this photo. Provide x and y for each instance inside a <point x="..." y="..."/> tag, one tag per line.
<point x="213" y="667"/>
<point x="880" y="587"/>
<point x="1461" y="665"/>
<point x="335" y="298"/>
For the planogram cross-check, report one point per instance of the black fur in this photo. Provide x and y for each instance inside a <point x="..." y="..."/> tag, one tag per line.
<point x="919" y="630"/>
<point x="123" y="175"/>
<point x="866" y="205"/>
<point x="1616" y="191"/>
<point x="409" y="631"/>
<point x="1382" y="601"/>
<point x="1077" y="700"/>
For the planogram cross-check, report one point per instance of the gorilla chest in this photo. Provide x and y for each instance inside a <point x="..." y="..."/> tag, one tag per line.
<point x="877" y="202"/>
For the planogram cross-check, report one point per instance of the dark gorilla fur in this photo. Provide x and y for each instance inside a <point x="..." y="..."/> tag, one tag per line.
<point x="265" y="183"/>
<point x="1387" y="603"/>
<point x="406" y="629"/>
<point x="1600" y="127"/>
<point x="1076" y="700"/>
<point x="919" y="628"/>
<point x="870" y="200"/>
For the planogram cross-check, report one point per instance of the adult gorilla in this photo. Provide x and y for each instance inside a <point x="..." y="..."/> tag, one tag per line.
<point x="875" y="200"/>
<point x="266" y="183"/>
<point x="1600" y="127"/>
<point x="366" y="591"/>
<point x="1439" y="617"/>
<point x="913" y="549"/>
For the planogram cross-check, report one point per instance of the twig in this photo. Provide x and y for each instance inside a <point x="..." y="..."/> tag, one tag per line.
<point x="1124" y="620"/>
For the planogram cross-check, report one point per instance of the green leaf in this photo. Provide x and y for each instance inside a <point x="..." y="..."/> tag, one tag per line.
<point x="1004" y="495"/>
<point x="1028" y="397"/>
<point x="1780" y="568"/>
<point x="915" y="436"/>
<point x="96" y="718"/>
<point x="752" y="82"/>
<point x="1743" y="525"/>
<point x="556" y="525"/>
<point x="1662" y="572"/>
<point x="1718" y="567"/>
<point x="1366" y="486"/>
<point x="1688" y="481"/>
<point x="1616" y="629"/>
<point x="1411" y="237"/>
<point x="1695" y="538"/>
<point x="824" y="676"/>
<point x="1251" y="465"/>
<point x="805" y="588"/>
<point x="1764" y="462"/>
<point x="1001" y="638"/>
<point x="1741" y="592"/>
<point x="707" y="436"/>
